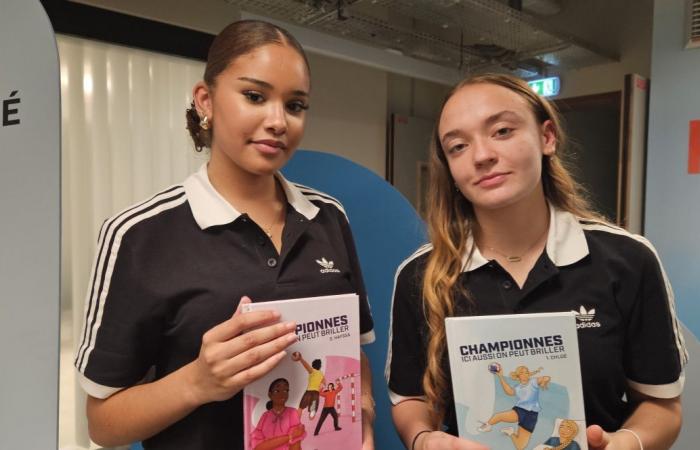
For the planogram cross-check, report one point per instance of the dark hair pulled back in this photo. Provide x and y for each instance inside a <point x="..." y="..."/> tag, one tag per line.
<point x="268" y="405"/>
<point x="237" y="39"/>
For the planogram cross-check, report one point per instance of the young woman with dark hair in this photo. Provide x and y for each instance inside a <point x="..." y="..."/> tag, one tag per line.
<point x="511" y="232"/>
<point x="171" y="272"/>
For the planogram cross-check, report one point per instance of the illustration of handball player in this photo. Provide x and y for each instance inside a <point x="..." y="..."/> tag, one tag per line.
<point x="329" y="395"/>
<point x="316" y="379"/>
<point x="527" y="405"/>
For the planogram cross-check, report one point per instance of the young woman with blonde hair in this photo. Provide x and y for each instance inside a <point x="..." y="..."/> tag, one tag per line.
<point x="510" y="232"/>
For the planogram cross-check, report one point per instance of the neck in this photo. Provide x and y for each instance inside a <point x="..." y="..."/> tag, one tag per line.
<point x="240" y="188"/>
<point x="515" y="228"/>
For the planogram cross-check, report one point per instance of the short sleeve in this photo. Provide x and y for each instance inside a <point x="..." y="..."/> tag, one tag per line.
<point x="122" y="326"/>
<point x="654" y="350"/>
<point x="367" y="335"/>
<point x="406" y="360"/>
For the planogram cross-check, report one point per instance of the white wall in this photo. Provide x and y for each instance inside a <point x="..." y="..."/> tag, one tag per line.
<point x="672" y="198"/>
<point x="348" y="111"/>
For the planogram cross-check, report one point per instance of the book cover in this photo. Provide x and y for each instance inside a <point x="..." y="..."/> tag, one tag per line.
<point x="309" y="400"/>
<point x="517" y="380"/>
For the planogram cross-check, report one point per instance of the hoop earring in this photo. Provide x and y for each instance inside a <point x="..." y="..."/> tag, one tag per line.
<point x="204" y="123"/>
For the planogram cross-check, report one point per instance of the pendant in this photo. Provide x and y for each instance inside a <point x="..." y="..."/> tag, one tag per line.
<point x="514" y="258"/>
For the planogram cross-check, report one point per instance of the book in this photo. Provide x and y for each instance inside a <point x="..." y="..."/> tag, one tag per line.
<point x="309" y="400"/>
<point x="516" y="380"/>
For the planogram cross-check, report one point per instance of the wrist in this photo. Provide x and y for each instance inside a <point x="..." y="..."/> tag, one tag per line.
<point x="629" y="439"/>
<point x="191" y="387"/>
<point x="418" y="439"/>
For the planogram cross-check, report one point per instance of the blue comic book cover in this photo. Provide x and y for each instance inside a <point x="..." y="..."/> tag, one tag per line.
<point x="517" y="381"/>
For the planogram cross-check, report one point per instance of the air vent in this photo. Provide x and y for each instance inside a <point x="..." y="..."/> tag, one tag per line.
<point x="693" y="28"/>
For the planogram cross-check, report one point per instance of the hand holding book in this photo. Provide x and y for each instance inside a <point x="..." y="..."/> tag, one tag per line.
<point x="237" y="352"/>
<point x="437" y="440"/>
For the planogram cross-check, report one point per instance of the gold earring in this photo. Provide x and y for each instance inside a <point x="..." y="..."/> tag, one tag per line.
<point x="204" y="123"/>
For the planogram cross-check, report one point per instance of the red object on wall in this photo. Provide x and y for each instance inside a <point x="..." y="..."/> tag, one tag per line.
<point x="694" y="147"/>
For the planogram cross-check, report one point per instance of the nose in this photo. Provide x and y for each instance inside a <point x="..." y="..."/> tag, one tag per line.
<point x="276" y="119"/>
<point x="483" y="153"/>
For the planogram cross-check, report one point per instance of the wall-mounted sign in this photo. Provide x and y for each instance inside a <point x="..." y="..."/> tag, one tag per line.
<point x="546" y="87"/>
<point x="30" y="195"/>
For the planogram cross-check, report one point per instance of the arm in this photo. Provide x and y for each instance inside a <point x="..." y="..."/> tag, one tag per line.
<point x="273" y="443"/>
<point x="412" y="416"/>
<point x="367" y="402"/>
<point x="506" y="387"/>
<point x="656" y="421"/>
<point x="654" y="352"/>
<point x="305" y="364"/>
<point x="228" y="360"/>
<point x="543" y="382"/>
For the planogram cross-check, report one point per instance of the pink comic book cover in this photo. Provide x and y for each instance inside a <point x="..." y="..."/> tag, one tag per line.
<point x="310" y="401"/>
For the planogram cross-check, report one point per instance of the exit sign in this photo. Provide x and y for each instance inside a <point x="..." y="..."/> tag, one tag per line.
<point x="546" y="87"/>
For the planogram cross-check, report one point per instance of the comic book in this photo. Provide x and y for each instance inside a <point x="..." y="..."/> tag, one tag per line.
<point x="310" y="401"/>
<point x="517" y="380"/>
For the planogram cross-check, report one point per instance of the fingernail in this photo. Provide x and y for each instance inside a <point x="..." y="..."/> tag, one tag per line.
<point x="292" y="337"/>
<point x="290" y="325"/>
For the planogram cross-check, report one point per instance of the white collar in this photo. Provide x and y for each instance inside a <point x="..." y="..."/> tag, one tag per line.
<point x="209" y="208"/>
<point x="566" y="242"/>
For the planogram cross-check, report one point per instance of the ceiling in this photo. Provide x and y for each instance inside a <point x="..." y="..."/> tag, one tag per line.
<point x="469" y="35"/>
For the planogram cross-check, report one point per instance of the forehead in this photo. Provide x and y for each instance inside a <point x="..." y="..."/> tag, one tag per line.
<point x="473" y="104"/>
<point x="278" y="64"/>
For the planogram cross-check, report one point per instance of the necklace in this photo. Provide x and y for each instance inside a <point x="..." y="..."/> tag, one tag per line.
<point x="519" y="258"/>
<point x="268" y="230"/>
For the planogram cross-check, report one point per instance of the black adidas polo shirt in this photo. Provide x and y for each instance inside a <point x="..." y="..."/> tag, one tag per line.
<point x="171" y="268"/>
<point x="627" y="328"/>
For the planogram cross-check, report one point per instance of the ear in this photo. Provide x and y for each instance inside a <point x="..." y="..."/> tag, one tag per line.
<point x="202" y="97"/>
<point x="549" y="138"/>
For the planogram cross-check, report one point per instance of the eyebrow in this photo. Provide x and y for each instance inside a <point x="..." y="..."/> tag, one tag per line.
<point x="266" y="85"/>
<point x="490" y="120"/>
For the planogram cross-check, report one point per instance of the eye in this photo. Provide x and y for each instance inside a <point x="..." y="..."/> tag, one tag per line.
<point x="455" y="148"/>
<point x="297" y="106"/>
<point x="503" y="132"/>
<point x="254" y="97"/>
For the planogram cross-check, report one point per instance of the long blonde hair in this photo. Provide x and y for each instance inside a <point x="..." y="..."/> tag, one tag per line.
<point x="563" y="443"/>
<point x="450" y="216"/>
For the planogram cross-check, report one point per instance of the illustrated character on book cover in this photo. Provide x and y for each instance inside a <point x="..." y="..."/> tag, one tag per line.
<point x="279" y="428"/>
<point x="568" y="429"/>
<point x="329" y="394"/>
<point x="313" y="388"/>
<point x="527" y="405"/>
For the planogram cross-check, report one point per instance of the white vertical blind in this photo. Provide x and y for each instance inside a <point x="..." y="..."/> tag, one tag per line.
<point x="124" y="138"/>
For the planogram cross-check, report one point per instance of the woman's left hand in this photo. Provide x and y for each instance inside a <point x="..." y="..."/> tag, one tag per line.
<point x="297" y="431"/>
<point x="599" y="439"/>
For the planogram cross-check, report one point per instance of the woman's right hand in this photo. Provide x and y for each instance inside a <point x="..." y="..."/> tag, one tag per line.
<point x="437" y="440"/>
<point x="237" y="352"/>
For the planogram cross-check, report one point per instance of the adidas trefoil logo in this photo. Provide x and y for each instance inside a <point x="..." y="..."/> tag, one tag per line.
<point x="327" y="266"/>
<point x="584" y="319"/>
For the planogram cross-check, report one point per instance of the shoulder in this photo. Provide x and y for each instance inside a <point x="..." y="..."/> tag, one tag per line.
<point x="321" y="200"/>
<point x="145" y="215"/>
<point x="414" y="265"/>
<point x="615" y="242"/>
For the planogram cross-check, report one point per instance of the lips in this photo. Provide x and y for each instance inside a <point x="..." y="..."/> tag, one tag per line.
<point x="269" y="146"/>
<point x="492" y="179"/>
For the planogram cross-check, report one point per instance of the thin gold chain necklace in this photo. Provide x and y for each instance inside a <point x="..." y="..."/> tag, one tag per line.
<point x="519" y="258"/>
<point x="268" y="230"/>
